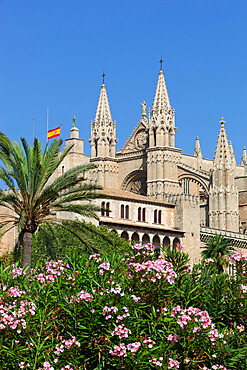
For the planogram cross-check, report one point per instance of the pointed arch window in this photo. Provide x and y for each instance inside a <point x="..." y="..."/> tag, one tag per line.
<point x="159" y="217"/>
<point x="107" y="209"/>
<point x="103" y="209"/>
<point x="139" y="214"/>
<point x="155" y="216"/>
<point x="127" y="212"/>
<point x="122" y="211"/>
<point x="144" y="214"/>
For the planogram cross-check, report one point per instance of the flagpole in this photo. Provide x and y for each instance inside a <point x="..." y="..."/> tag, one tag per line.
<point x="33" y="129"/>
<point x="47" y="121"/>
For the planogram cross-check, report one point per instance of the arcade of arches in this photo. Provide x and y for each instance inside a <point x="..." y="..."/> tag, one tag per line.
<point x="155" y="239"/>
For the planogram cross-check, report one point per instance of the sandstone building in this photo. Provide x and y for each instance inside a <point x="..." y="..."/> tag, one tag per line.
<point x="156" y="193"/>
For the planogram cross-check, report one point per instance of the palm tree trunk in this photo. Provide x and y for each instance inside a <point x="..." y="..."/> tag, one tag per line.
<point x="27" y="250"/>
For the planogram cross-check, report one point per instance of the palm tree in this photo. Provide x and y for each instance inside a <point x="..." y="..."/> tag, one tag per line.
<point x="34" y="198"/>
<point x="218" y="248"/>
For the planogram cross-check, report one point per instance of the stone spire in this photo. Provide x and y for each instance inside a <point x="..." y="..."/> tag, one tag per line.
<point x="244" y="158"/>
<point x="161" y="103"/>
<point x="197" y="151"/>
<point x="223" y="193"/>
<point x="232" y="154"/>
<point x="223" y="155"/>
<point x="103" y="129"/>
<point x="162" y="122"/>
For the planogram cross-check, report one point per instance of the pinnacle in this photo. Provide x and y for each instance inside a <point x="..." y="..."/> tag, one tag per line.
<point x="224" y="154"/>
<point x="161" y="103"/>
<point x="197" y="151"/>
<point x="244" y="157"/>
<point x="103" y="112"/>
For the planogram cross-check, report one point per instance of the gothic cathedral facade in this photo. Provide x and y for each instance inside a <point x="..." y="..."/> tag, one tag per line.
<point x="155" y="192"/>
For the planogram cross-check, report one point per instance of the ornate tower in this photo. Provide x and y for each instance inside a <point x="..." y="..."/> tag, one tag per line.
<point x="103" y="143"/>
<point x="162" y="156"/>
<point x="103" y="129"/>
<point x="223" y="193"/>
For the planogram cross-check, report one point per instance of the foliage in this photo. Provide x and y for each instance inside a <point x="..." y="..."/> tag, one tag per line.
<point x="178" y="259"/>
<point x="129" y="311"/>
<point x="34" y="197"/>
<point x="46" y="247"/>
<point x="6" y="259"/>
<point x="218" y="248"/>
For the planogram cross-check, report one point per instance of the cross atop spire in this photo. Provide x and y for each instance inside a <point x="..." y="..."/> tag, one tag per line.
<point x="103" y="75"/>
<point x="161" y="62"/>
<point x="222" y="122"/>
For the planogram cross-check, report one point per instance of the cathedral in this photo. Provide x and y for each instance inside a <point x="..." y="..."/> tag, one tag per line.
<point x="155" y="192"/>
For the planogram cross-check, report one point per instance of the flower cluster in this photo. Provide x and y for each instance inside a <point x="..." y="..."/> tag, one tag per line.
<point x="150" y="343"/>
<point x="159" y="269"/>
<point x="121" y="331"/>
<point x="96" y="257"/>
<point x="81" y="296"/>
<point x="105" y="266"/>
<point x="13" y="314"/>
<point x="52" y="271"/>
<point x="173" y="364"/>
<point x="155" y="361"/>
<point x="191" y="314"/>
<point x="109" y="309"/>
<point x="66" y="344"/>
<point x="237" y="257"/>
<point x="18" y="271"/>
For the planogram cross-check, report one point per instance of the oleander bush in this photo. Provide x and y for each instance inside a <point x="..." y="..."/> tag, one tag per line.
<point x="129" y="310"/>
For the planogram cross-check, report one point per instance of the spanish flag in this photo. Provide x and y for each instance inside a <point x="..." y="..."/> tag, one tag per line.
<point x="53" y="133"/>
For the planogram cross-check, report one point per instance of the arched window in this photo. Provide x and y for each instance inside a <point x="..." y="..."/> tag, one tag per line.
<point x="144" y="214"/>
<point x="122" y="211"/>
<point x="102" y="208"/>
<point x="127" y="212"/>
<point x="139" y="214"/>
<point x="125" y="235"/>
<point x="135" y="237"/>
<point x="96" y="148"/>
<point x="107" y="209"/>
<point x="175" y="242"/>
<point x="186" y="186"/>
<point x="159" y="217"/>
<point x="145" y="239"/>
<point x="62" y="170"/>
<point x="155" y="216"/>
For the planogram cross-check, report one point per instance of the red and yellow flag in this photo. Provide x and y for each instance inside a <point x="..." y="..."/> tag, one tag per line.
<point x="53" y="133"/>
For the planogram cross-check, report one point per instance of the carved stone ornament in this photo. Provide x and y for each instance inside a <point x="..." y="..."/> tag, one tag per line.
<point x="138" y="186"/>
<point x="141" y="140"/>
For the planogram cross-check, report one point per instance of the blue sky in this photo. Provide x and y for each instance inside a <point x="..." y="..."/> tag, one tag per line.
<point x="53" y="52"/>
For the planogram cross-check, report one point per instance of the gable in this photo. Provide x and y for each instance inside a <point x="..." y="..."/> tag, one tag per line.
<point x="137" y="141"/>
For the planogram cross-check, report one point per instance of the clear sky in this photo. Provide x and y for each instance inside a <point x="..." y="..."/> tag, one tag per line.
<point x="54" y="51"/>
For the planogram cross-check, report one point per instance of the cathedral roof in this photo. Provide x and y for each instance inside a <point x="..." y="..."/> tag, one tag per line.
<point x="103" y="112"/>
<point x="161" y="103"/>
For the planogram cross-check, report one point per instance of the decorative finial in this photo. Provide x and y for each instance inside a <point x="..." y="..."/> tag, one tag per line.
<point x="222" y="121"/>
<point x="161" y="62"/>
<point x="74" y="121"/>
<point x="103" y="75"/>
